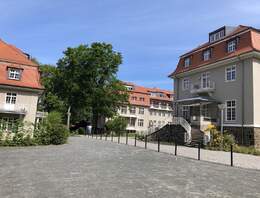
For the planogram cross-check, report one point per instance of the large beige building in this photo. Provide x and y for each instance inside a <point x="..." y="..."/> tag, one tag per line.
<point x="149" y="108"/>
<point x="225" y="70"/>
<point x="19" y="87"/>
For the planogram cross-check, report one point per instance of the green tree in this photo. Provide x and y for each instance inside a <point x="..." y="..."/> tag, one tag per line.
<point x="87" y="81"/>
<point x="50" y="101"/>
<point x="117" y="124"/>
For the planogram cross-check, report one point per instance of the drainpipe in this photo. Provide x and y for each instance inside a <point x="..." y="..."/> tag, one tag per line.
<point x="243" y="97"/>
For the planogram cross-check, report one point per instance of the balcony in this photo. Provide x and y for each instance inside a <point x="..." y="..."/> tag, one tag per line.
<point x="13" y="109"/>
<point x="207" y="87"/>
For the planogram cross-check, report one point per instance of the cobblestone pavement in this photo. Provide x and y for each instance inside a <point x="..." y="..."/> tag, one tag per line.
<point x="92" y="168"/>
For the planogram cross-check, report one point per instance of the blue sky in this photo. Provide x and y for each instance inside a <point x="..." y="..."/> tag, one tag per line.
<point x="151" y="34"/>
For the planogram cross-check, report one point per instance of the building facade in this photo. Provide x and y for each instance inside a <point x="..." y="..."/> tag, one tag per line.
<point x="20" y="87"/>
<point x="221" y="77"/>
<point x="149" y="108"/>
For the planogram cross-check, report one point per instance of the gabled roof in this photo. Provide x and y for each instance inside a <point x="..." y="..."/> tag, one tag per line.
<point x="249" y="40"/>
<point x="9" y="53"/>
<point x="10" y="56"/>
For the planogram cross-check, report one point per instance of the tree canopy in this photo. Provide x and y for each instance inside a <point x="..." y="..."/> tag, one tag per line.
<point x="85" y="80"/>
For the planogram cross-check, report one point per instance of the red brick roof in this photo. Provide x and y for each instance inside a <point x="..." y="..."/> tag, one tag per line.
<point x="144" y="92"/>
<point x="249" y="40"/>
<point x="10" y="56"/>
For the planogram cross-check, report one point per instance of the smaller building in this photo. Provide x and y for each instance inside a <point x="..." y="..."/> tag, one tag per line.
<point x="149" y="108"/>
<point x="20" y="87"/>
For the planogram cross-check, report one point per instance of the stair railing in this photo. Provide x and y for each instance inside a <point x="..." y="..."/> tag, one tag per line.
<point x="181" y="121"/>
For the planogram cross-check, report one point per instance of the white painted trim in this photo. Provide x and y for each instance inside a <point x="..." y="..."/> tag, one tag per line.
<point x="230" y="67"/>
<point x="227" y="108"/>
<point x="232" y="125"/>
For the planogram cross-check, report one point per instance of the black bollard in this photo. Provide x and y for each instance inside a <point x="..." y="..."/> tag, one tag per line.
<point x="175" y="152"/>
<point x="199" y="151"/>
<point x="126" y="138"/>
<point x="101" y="136"/>
<point x="231" y="154"/>
<point x="118" y="138"/>
<point x="106" y="137"/>
<point x="145" y="145"/>
<point x="135" y="139"/>
<point x="112" y="136"/>
<point x="158" y="143"/>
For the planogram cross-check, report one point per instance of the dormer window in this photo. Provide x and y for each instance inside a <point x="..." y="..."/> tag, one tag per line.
<point x="206" y="54"/>
<point x="217" y="35"/>
<point x="14" y="74"/>
<point x="187" y="62"/>
<point x="232" y="45"/>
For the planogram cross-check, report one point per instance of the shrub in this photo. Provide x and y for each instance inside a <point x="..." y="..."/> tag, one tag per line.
<point x="117" y="125"/>
<point x="217" y="139"/>
<point x="52" y="131"/>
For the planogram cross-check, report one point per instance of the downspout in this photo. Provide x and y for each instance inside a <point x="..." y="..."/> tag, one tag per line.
<point x="243" y="96"/>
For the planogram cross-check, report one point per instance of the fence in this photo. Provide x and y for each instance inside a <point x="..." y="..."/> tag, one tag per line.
<point x="172" y="146"/>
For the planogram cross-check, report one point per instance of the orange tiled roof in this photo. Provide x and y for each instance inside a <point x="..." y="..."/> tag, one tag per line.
<point x="144" y="92"/>
<point x="249" y="40"/>
<point x="10" y="56"/>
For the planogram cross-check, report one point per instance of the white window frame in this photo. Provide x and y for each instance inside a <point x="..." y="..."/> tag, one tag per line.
<point x="232" y="69"/>
<point x="232" y="107"/>
<point x="185" y="111"/>
<point x="14" y="74"/>
<point x="132" y="110"/>
<point x="206" y="54"/>
<point x="205" y="76"/>
<point x="205" y="111"/>
<point x="231" y="46"/>
<point x="11" y="98"/>
<point x="140" y="122"/>
<point x="123" y="110"/>
<point x="141" y="110"/>
<point x="132" y="122"/>
<point x="185" y="84"/>
<point x="187" y="62"/>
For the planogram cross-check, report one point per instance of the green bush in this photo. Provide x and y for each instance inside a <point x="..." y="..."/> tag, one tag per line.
<point x="52" y="131"/>
<point x="117" y="125"/>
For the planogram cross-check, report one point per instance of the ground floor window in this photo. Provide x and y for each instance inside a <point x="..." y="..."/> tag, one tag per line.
<point x="8" y="123"/>
<point x="140" y="122"/>
<point x="185" y="112"/>
<point x="231" y="110"/>
<point x="132" y="122"/>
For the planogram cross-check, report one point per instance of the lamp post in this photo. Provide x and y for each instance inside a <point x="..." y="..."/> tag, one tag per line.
<point x="222" y="108"/>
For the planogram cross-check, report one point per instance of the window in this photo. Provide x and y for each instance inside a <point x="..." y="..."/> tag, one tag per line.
<point x="163" y="114"/>
<point x="7" y="123"/>
<point x="205" y="111"/>
<point x="140" y="122"/>
<point x="134" y="98"/>
<point x="151" y="112"/>
<point x="132" y="110"/>
<point x="231" y="73"/>
<point x="124" y="110"/>
<point x="159" y="124"/>
<point x="187" y="62"/>
<point x="14" y="74"/>
<point x="205" y="82"/>
<point x="10" y="98"/>
<point x="206" y="54"/>
<point x="141" y="110"/>
<point x="185" y="112"/>
<point x="159" y="113"/>
<point x="150" y="123"/>
<point x="217" y="36"/>
<point x="185" y="84"/>
<point x="141" y="99"/>
<point x="231" y="46"/>
<point x="129" y="88"/>
<point x="231" y="110"/>
<point x="132" y="122"/>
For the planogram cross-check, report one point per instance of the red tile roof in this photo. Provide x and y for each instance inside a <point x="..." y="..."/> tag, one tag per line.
<point x="10" y="56"/>
<point x="144" y="92"/>
<point x="249" y="40"/>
